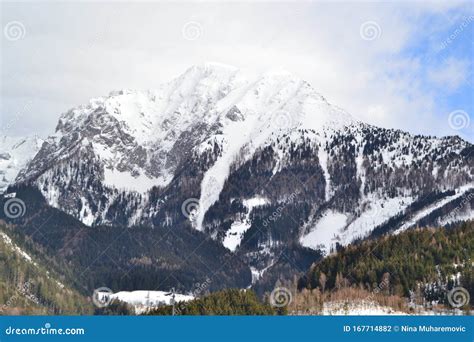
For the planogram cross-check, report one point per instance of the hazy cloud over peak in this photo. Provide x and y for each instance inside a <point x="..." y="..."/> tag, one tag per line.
<point x="402" y="65"/>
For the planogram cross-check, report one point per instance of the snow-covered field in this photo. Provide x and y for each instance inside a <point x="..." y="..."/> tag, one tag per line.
<point x="144" y="300"/>
<point x="358" y="308"/>
<point x="370" y="308"/>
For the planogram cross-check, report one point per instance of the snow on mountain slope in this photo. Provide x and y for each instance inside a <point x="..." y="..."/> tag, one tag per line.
<point x="235" y="233"/>
<point x="16" y="248"/>
<point x="133" y="157"/>
<point x="275" y="102"/>
<point x="135" y="140"/>
<point x="333" y="186"/>
<point x="377" y="207"/>
<point x="466" y="215"/>
<point x="461" y="191"/>
<point x="335" y="227"/>
<point x="325" y="231"/>
<point x="15" y="153"/>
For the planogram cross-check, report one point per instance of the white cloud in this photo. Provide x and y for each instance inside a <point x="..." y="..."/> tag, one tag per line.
<point x="72" y="52"/>
<point x="450" y="74"/>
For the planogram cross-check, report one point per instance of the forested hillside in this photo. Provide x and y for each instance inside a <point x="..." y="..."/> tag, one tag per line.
<point x="26" y="287"/>
<point x="421" y="264"/>
<point x="124" y="258"/>
<point x="226" y="302"/>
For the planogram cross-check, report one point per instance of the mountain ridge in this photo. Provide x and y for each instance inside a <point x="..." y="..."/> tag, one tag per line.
<point x="263" y="164"/>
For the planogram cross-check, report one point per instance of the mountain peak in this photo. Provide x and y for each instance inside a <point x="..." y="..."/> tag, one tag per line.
<point x="204" y="94"/>
<point x="217" y="65"/>
<point x="209" y="69"/>
<point x="227" y="143"/>
<point x="136" y="134"/>
<point x="15" y="154"/>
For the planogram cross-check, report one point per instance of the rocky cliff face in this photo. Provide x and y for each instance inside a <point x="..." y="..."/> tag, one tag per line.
<point x="15" y="153"/>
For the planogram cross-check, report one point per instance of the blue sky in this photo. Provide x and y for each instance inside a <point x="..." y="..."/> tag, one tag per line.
<point x="447" y="56"/>
<point x="405" y="65"/>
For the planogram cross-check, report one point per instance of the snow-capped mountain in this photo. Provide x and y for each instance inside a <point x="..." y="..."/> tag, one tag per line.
<point x="15" y="153"/>
<point x="262" y="163"/>
<point x="136" y="140"/>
